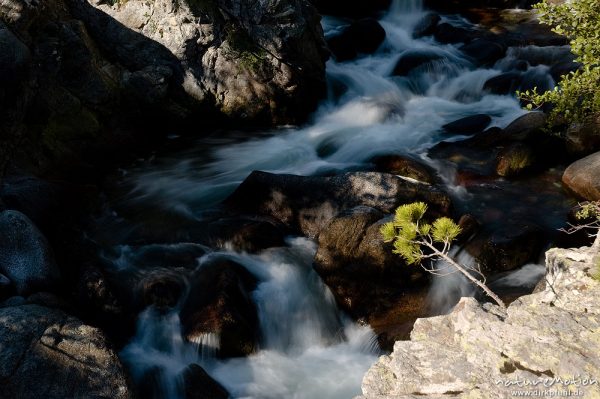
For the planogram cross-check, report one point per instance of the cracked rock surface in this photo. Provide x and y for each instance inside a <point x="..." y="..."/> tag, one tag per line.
<point x="477" y="351"/>
<point x="48" y="354"/>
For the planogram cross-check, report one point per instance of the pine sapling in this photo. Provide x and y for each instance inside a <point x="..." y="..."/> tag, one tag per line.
<point x="417" y="242"/>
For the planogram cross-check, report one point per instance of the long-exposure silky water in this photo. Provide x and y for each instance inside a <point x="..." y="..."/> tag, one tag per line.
<point x="308" y="348"/>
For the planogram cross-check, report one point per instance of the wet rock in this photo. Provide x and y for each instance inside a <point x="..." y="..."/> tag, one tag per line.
<point x="199" y="385"/>
<point x="563" y="68"/>
<point x="404" y="166"/>
<point x="220" y="303"/>
<point x="469" y="225"/>
<point x="468" y="125"/>
<point x="534" y="79"/>
<point x="507" y="247"/>
<point x="526" y="125"/>
<point x="583" y="138"/>
<point x="352" y="8"/>
<point x="427" y="25"/>
<point x="47" y="353"/>
<point x="514" y="160"/>
<point x="246" y="234"/>
<point x="505" y="83"/>
<point x="484" y="52"/>
<point x="361" y="37"/>
<point x="162" y="289"/>
<point x="463" y="354"/>
<point x="104" y="304"/>
<point x="410" y="60"/>
<point x="307" y="204"/>
<point x="446" y="33"/>
<point x="583" y="177"/>
<point x="365" y="277"/>
<point x="25" y="256"/>
<point x="342" y="48"/>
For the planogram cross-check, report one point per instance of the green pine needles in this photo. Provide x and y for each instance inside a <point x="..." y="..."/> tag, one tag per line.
<point x="577" y="97"/>
<point x="408" y="230"/>
<point x="416" y="241"/>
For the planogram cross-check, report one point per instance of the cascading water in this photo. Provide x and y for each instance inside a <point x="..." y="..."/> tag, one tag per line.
<point x="308" y="349"/>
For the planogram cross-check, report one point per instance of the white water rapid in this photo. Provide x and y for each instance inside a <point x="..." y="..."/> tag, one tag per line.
<point x="308" y="348"/>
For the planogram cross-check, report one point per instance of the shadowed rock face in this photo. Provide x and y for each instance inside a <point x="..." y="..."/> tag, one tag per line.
<point x="25" y="255"/>
<point x="86" y="78"/>
<point x="48" y="354"/>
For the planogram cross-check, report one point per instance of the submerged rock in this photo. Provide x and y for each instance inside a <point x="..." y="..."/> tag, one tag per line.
<point x="583" y="177"/>
<point x="25" y="255"/>
<point x="47" y="353"/>
<point x="477" y="350"/>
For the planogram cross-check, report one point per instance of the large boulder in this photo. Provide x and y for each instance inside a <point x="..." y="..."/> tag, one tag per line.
<point x="47" y="353"/>
<point x="307" y="204"/>
<point x="250" y="59"/>
<point x="583" y="177"/>
<point x="365" y="276"/>
<point x="25" y="256"/>
<point x="89" y="78"/>
<point x="219" y="304"/>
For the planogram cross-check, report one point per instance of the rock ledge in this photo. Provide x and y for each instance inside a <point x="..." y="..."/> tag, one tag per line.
<point x="477" y="350"/>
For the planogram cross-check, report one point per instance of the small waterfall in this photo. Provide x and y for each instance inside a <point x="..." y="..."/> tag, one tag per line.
<point x="158" y="354"/>
<point x="447" y="289"/>
<point x="307" y="348"/>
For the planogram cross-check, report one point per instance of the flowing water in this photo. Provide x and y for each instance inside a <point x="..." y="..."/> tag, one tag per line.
<point x="308" y="348"/>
